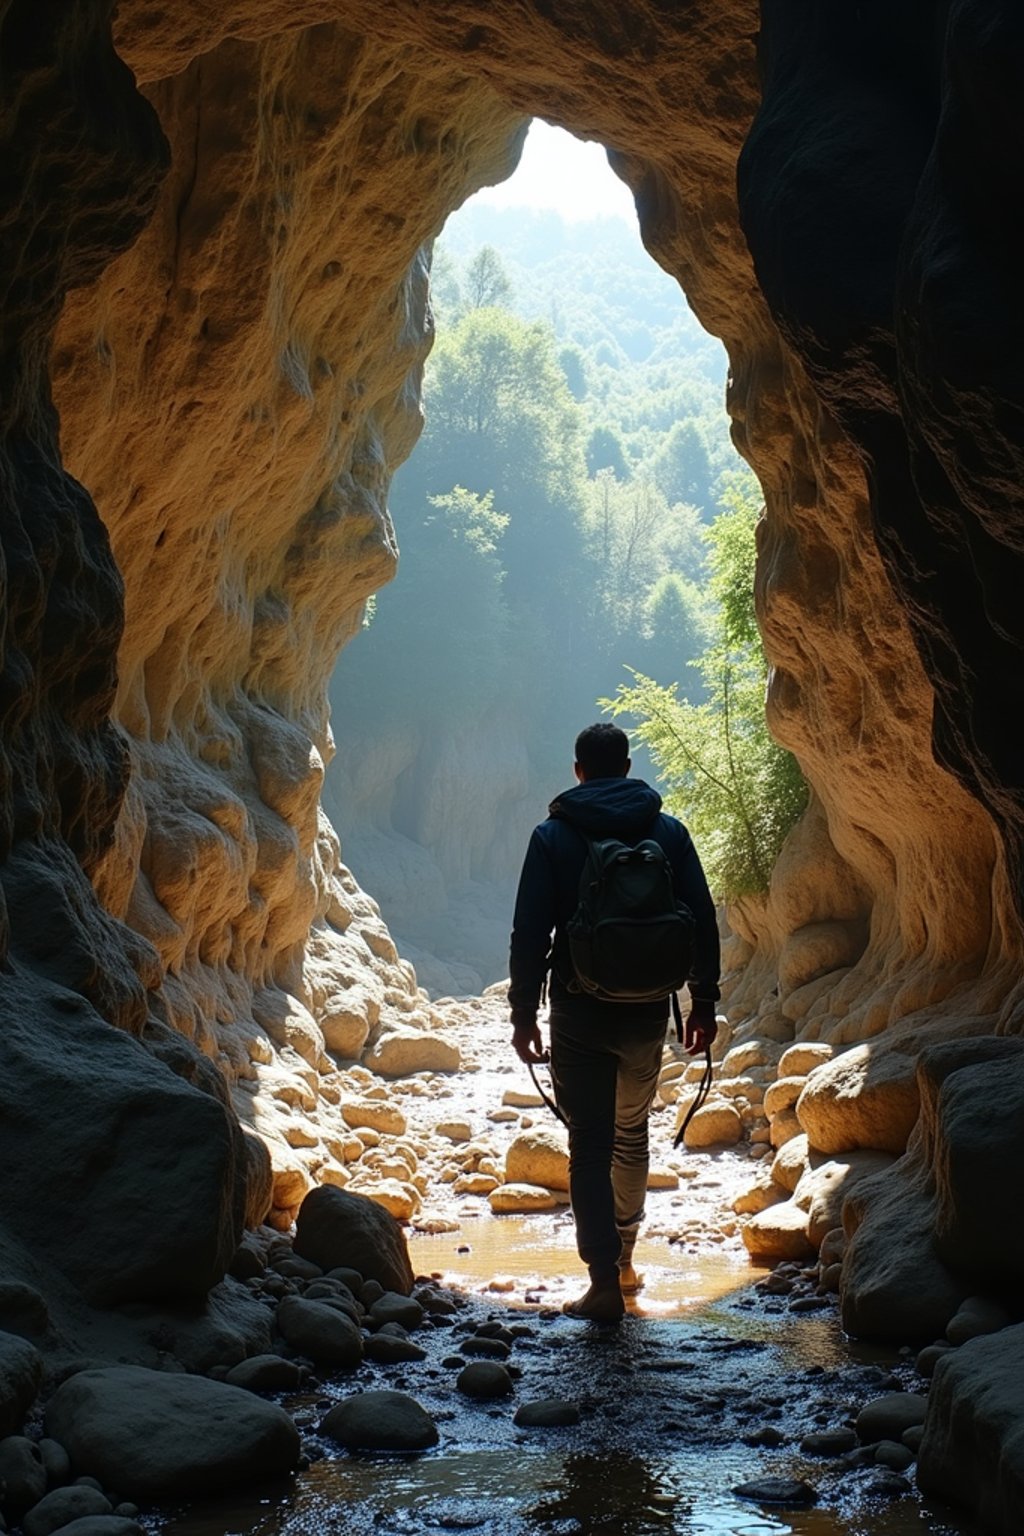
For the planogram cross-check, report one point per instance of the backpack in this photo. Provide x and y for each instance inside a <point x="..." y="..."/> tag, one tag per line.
<point x="630" y="938"/>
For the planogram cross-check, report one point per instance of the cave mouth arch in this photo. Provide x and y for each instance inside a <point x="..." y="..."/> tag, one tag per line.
<point x="562" y="353"/>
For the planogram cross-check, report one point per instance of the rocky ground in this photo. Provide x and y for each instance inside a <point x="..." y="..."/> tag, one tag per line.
<point x="729" y="1407"/>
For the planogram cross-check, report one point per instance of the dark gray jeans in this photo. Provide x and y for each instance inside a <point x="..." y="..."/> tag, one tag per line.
<point x="605" y="1066"/>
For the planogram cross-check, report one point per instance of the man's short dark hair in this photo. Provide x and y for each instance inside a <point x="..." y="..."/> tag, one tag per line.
<point x="602" y="751"/>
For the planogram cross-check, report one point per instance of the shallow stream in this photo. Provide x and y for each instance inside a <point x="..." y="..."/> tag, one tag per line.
<point x="670" y="1405"/>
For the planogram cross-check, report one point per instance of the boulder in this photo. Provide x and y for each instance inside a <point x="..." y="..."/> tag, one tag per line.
<point x="403" y="1052"/>
<point x="380" y="1421"/>
<point x="778" y="1233"/>
<point x="520" y="1199"/>
<point x="972" y="1450"/>
<point x="539" y="1156"/>
<point x="324" y="1334"/>
<point x="784" y="1127"/>
<point x="865" y="1098"/>
<point x="378" y="1114"/>
<point x="21" y="1370"/>
<point x="399" y="1198"/>
<point x="802" y="1058"/>
<point x="717" y="1124"/>
<point x="782" y="1095"/>
<point x="161" y="1435"/>
<point x="822" y="1191"/>
<point x="337" y="1228"/>
<point x="394" y="1307"/>
<point x="159" y="1221"/>
<point x="791" y="1161"/>
<point x="758" y="1196"/>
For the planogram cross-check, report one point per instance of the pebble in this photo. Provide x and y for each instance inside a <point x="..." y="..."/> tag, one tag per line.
<point x="888" y="1485"/>
<point x="487" y="1349"/>
<point x="386" y="1349"/>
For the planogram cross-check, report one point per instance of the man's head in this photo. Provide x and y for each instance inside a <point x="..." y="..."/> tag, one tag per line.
<point x="602" y="752"/>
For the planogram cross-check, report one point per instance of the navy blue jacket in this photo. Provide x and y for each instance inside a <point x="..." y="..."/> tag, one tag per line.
<point x="549" y="892"/>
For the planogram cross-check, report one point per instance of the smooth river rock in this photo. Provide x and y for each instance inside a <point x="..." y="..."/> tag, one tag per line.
<point x="157" y="1435"/>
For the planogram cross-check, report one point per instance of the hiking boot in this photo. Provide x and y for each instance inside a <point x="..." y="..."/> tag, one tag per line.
<point x="602" y="1303"/>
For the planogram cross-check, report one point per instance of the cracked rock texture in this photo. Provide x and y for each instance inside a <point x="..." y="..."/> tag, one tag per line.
<point x="236" y="386"/>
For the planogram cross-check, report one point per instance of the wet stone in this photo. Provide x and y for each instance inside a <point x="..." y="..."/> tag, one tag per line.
<point x="829" y="1442"/>
<point x="487" y="1349"/>
<point x="767" y="1435"/>
<point x="929" y="1357"/>
<point x="380" y="1421"/>
<point x="389" y="1349"/>
<point x="888" y="1485"/>
<point x="894" y="1455"/>
<point x="777" y="1490"/>
<point x="22" y="1473"/>
<point x="885" y="1418"/>
<point x="394" y="1308"/>
<point x="265" y="1373"/>
<point x="61" y="1507"/>
<point x="546" y="1413"/>
<point x="484" y="1379"/>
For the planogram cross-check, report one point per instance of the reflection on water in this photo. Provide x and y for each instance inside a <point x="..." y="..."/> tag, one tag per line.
<point x="519" y="1492"/>
<point x="538" y="1254"/>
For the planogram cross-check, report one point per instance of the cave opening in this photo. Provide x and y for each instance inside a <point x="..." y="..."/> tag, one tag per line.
<point x="552" y="525"/>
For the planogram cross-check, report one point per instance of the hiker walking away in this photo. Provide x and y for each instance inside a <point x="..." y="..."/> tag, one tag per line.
<point x="605" y="1054"/>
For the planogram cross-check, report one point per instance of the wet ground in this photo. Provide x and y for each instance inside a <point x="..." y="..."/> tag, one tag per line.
<point x="710" y="1381"/>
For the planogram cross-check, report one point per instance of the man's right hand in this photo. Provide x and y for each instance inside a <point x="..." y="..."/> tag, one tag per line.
<point x="527" y="1043"/>
<point x="701" y="1027"/>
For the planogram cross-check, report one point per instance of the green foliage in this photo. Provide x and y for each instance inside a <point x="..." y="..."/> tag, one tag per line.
<point x="738" y="791"/>
<point x="487" y="282"/>
<point x="605" y="451"/>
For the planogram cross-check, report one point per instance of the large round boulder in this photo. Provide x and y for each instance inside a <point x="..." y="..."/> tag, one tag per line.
<point x="336" y="1229"/>
<point x="539" y="1156"/>
<point x="159" y="1435"/>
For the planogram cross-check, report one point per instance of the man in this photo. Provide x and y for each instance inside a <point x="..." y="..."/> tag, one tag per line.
<point x="605" y="1056"/>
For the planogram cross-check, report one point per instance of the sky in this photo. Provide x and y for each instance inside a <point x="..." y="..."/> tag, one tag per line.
<point x="560" y="172"/>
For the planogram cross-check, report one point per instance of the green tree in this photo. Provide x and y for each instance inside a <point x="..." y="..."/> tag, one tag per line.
<point x="737" y="789"/>
<point x="487" y="281"/>
<point x="605" y="451"/>
<point x="682" y="467"/>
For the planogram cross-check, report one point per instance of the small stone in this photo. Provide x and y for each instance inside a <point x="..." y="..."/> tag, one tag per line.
<point x="894" y="1455"/>
<point x="386" y="1349"/>
<point x="885" y="1418"/>
<point x="829" y="1442"/>
<point x="777" y="1490"/>
<point x="265" y="1373"/>
<point x="767" y="1435"/>
<point x="929" y="1357"/>
<point x="486" y="1349"/>
<point x="454" y="1130"/>
<point x="888" y="1485"/>
<point x="56" y="1461"/>
<point x="977" y="1316"/>
<point x="394" y="1308"/>
<point x="484" y="1379"/>
<point x="546" y="1413"/>
<point x="520" y="1199"/>
<point x="320" y="1332"/>
<point x="60" y="1507"/>
<point x="380" y="1421"/>
<point x="22" y="1474"/>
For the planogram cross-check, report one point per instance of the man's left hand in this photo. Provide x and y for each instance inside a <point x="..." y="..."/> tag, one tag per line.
<point x="527" y="1043"/>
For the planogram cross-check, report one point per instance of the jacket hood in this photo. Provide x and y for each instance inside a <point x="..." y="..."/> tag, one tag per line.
<point x="622" y="808"/>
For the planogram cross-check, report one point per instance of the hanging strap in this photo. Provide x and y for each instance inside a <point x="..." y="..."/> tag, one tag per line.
<point x="702" y="1093"/>
<point x="549" y="1102"/>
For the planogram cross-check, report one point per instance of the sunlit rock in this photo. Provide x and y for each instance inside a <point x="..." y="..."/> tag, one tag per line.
<point x="539" y="1156"/>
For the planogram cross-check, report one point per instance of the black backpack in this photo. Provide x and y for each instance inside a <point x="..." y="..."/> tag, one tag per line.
<point x="631" y="939"/>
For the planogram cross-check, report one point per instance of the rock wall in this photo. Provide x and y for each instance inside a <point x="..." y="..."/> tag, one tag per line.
<point x="236" y="388"/>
